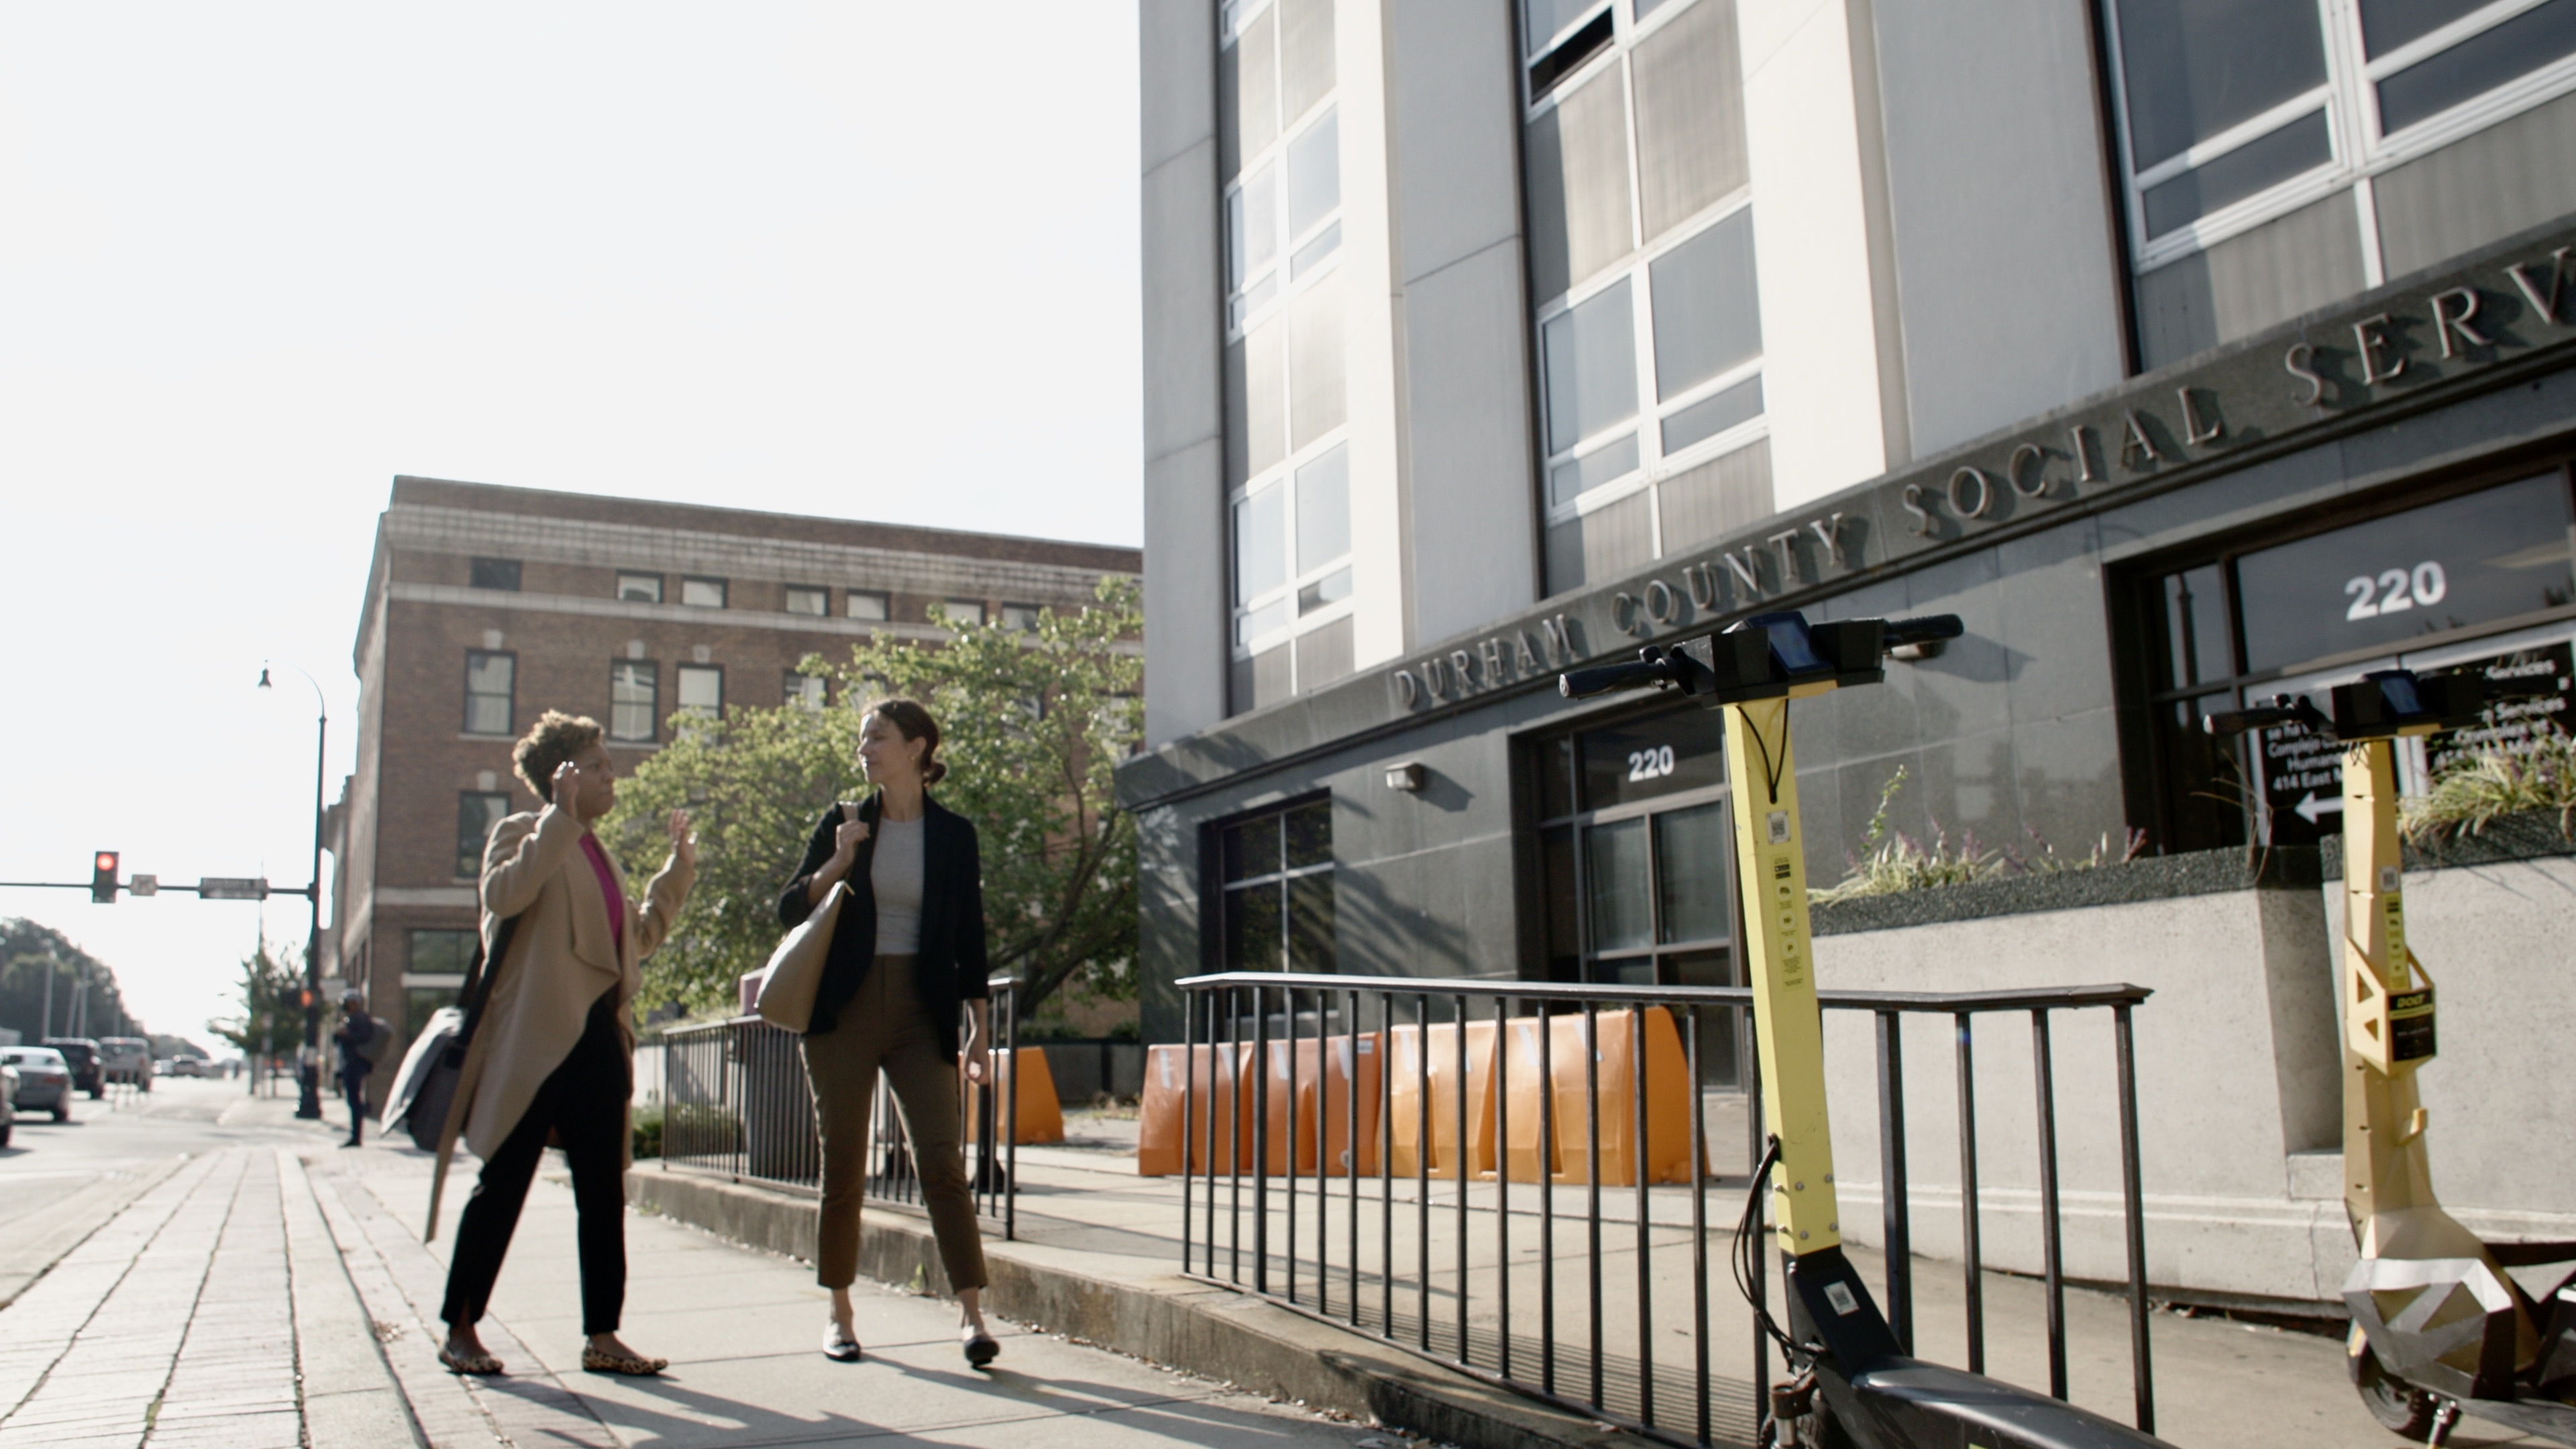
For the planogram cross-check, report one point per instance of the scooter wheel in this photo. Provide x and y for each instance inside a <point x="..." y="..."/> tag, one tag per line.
<point x="2400" y="1407"/>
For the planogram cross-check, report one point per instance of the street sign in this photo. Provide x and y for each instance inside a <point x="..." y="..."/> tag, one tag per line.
<point x="144" y="885"/>
<point x="232" y="888"/>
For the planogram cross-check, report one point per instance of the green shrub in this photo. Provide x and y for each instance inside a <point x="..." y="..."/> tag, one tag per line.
<point x="2474" y="791"/>
<point x="648" y="1132"/>
<point x="1893" y="861"/>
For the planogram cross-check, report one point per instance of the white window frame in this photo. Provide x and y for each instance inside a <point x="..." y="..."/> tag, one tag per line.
<point x="2350" y="100"/>
<point x="1646" y="423"/>
<point x="1241" y="318"/>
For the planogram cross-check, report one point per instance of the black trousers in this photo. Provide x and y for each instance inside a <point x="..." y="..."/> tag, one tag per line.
<point x="584" y="1104"/>
<point x="353" y="1085"/>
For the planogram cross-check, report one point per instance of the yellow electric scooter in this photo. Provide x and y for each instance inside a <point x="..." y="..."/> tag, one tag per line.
<point x="1872" y="1395"/>
<point x="2438" y="1326"/>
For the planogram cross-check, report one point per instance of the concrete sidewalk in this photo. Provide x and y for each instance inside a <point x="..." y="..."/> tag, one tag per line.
<point x="1099" y="1254"/>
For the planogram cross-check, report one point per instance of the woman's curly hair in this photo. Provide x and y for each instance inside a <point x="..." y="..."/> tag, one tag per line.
<point x="553" y="739"/>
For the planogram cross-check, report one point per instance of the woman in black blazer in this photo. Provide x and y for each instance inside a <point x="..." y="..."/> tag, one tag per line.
<point x="907" y="952"/>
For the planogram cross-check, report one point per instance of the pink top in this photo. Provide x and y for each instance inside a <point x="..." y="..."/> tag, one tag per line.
<point x="607" y="888"/>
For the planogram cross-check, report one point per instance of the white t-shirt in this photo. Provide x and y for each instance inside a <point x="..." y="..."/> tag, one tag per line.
<point x="895" y="876"/>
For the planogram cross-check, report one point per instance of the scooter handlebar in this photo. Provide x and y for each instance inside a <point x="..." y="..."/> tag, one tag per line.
<point x="1924" y="630"/>
<point x="1603" y="678"/>
<point x="2258" y="717"/>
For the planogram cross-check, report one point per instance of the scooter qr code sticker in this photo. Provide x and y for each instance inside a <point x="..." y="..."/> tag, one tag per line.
<point x="2388" y="879"/>
<point x="1779" y="824"/>
<point x="1841" y="1297"/>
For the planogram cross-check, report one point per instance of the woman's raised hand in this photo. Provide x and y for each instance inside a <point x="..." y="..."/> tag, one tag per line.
<point x="684" y="841"/>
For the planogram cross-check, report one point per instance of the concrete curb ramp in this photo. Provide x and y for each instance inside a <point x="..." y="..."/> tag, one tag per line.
<point x="1165" y="1319"/>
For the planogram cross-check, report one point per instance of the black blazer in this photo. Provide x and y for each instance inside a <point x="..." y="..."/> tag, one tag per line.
<point x="950" y="967"/>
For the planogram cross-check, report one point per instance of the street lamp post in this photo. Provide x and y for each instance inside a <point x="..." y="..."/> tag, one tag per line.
<point x="308" y="1102"/>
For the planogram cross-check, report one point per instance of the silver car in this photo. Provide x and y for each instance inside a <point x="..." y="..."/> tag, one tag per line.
<point x="44" y="1079"/>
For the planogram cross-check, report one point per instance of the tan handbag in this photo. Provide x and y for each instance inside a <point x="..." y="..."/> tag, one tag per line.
<point x="795" y="971"/>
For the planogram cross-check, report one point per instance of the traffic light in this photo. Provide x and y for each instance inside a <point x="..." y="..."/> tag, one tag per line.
<point x="102" y="878"/>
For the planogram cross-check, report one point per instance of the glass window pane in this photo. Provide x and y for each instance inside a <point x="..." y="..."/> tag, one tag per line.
<point x="1659" y="755"/>
<point x="1316" y="403"/>
<point x="1591" y="352"/>
<point x="701" y="689"/>
<point x="476" y="814"/>
<point x="1260" y="543"/>
<point x="489" y="673"/>
<point x="1706" y="317"/>
<point x="633" y="705"/>
<point x="1555" y="777"/>
<point x="1252" y="226"/>
<point x="1252" y="121"/>
<point x="1324" y="510"/>
<point x="1690" y="115"/>
<point x="703" y="593"/>
<point x="640" y="588"/>
<point x="1310" y="922"/>
<point x="1261" y="621"/>
<point x="962" y="613"/>
<point x="1332" y="588"/>
<point x="1256" y="400"/>
<point x="2196" y="633"/>
<point x="1556" y="857"/>
<point x="1690" y="873"/>
<point x="495" y="573"/>
<point x="440" y="953"/>
<point x="1252" y="848"/>
<point x="1253" y="930"/>
<point x="1314" y="174"/>
<point x="804" y="689"/>
<point x="1719" y="1035"/>
<point x="1542" y="20"/>
<point x="2388" y="24"/>
<point x="487" y="714"/>
<point x="2477" y="65"/>
<point x="2459" y="562"/>
<point x="2196" y="67"/>
<point x="1614" y="857"/>
<point x="1305" y="54"/>
<point x="1575" y="156"/>
<point x="801" y="600"/>
<point x="865" y="605"/>
<point x="1309" y="832"/>
<point x="1605" y="464"/>
<point x="1726" y="408"/>
<point x="1326" y="242"/>
<point x="2303" y="145"/>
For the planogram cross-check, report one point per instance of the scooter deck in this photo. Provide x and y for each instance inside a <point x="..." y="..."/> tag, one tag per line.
<point x="2550" y="1419"/>
<point x="1926" y="1406"/>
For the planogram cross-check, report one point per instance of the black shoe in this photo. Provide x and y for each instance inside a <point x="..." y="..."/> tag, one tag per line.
<point x="981" y="1350"/>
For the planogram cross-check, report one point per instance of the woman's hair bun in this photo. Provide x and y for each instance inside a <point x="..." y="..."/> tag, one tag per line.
<point x="914" y="723"/>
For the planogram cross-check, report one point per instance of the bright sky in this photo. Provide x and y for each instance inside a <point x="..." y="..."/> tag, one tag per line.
<point x="256" y="259"/>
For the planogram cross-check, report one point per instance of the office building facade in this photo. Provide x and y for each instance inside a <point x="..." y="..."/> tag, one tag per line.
<point x="486" y="606"/>
<point x="2189" y="352"/>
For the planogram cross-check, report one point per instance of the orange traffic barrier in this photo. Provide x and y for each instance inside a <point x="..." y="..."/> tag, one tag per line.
<point x="1406" y="1053"/>
<point x="1668" y="1091"/>
<point x="1040" y="1115"/>
<point x="1210" y="1075"/>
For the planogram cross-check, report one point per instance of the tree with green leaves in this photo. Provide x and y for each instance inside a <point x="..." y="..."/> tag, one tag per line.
<point x="1033" y="723"/>
<point x="272" y="1018"/>
<point x="29" y="951"/>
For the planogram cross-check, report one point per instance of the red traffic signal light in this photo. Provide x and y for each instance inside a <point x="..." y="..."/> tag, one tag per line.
<point x="102" y="878"/>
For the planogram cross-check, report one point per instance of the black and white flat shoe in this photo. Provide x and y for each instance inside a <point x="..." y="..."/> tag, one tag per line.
<point x="838" y="1346"/>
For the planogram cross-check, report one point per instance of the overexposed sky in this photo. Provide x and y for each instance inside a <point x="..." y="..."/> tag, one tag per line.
<point x="859" y="259"/>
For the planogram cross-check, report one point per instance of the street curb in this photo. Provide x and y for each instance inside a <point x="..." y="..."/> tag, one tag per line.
<point x="1165" y="1319"/>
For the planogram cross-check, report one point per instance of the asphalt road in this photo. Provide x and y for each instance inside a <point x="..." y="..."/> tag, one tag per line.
<point x="60" y="1181"/>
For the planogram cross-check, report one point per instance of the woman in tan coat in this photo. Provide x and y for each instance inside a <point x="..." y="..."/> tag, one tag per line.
<point x="555" y="1047"/>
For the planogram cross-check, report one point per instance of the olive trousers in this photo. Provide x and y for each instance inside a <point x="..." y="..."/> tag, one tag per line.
<point x="887" y="1028"/>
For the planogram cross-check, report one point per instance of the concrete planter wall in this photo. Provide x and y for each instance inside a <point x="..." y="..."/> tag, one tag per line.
<point x="2239" y="1066"/>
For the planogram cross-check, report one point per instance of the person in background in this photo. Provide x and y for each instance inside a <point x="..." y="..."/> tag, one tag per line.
<point x="553" y="1052"/>
<point x="907" y="953"/>
<point x="360" y="1040"/>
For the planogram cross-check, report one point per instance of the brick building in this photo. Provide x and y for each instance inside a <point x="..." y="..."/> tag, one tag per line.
<point x="487" y="605"/>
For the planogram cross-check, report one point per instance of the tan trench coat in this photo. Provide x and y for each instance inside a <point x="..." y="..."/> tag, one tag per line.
<point x="562" y="955"/>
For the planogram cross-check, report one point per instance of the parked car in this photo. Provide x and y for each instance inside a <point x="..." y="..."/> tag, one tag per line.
<point x="8" y="1102"/>
<point x="44" y="1079"/>
<point x="81" y="1055"/>
<point x="126" y="1060"/>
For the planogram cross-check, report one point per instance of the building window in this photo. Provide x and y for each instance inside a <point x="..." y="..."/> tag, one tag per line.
<point x="869" y="604"/>
<point x="805" y="689"/>
<point x="807" y="599"/>
<point x="639" y="588"/>
<point x="2477" y="580"/>
<point x="495" y="573"/>
<point x="703" y="593"/>
<point x="962" y="613"/>
<point x="634" y="700"/>
<point x="2235" y="114"/>
<point x="1020" y="618"/>
<point x="1276" y="875"/>
<point x="1280" y="156"/>
<point x="702" y="690"/>
<point x="1636" y="861"/>
<point x="477" y="812"/>
<point x="1642" y="273"/>
<point x="490" y="679"/>
<point x="440" y="953"/>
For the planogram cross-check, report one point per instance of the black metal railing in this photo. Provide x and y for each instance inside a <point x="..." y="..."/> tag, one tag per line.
<point x="1278" y="1104"/>
<point x="736" y="1103"/>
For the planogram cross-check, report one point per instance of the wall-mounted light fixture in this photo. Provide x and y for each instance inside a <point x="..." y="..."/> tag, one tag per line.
<point x="1407" y="777"/>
